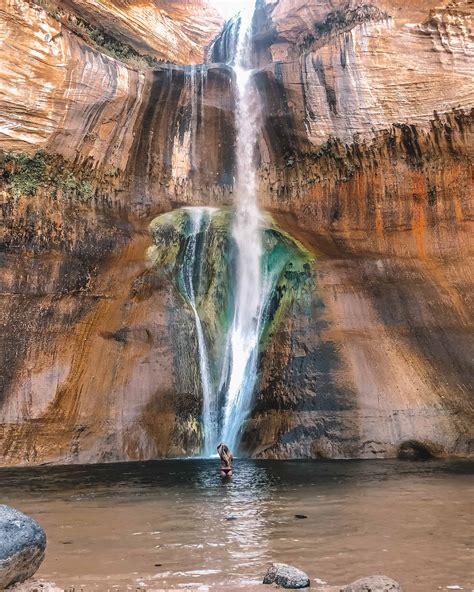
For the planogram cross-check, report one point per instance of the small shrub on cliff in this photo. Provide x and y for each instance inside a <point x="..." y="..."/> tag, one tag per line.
<point x="118" y="50"/>
<point x="67" y="184"/>
<point x="24" y="173"/>
<point x="86" y="191"/>
<point x="72" y="187"/>
<point x="113" y="172"/>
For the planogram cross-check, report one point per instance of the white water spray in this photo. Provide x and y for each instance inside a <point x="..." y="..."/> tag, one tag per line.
<point x="243" y="340"/>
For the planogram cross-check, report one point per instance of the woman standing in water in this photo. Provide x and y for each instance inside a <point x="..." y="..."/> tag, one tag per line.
<point x="226" y="460"/>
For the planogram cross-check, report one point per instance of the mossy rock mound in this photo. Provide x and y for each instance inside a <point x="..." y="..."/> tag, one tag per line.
<point x="195" y="247"/>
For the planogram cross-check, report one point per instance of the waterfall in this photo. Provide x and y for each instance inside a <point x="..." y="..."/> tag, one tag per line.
<point x="198" y="246"/>
<point x="227" y="405"/>
<point x="191" y="274"/>
<point x="243" y="339"/>
<point x="233" y="266"/>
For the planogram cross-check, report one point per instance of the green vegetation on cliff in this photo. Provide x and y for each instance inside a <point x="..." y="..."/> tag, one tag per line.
<point x="23" y="174"/>
<point x="116" y="49"/>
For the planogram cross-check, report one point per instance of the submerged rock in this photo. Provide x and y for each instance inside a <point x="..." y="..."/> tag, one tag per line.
<point x="22" y="546"/>
<point x="286" y="576"/>
<point x="373" y="584"/>
<point x="36" y="586"/>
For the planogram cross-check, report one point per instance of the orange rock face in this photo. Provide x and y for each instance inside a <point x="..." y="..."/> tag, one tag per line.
<point x="387" y="204"/>
<point x="366" y="158"/>
<point x="57" y="92"/>
<point x="176" y="31"/>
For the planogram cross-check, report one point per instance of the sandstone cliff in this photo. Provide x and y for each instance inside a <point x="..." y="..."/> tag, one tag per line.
<point x="366" y="158"/>
<point x="175" y="31"/>
<point x="389" y="207"/>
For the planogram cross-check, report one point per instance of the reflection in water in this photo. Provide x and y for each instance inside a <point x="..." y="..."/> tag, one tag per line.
<point x="175" y="524"/>
<point x="235" y="517"/>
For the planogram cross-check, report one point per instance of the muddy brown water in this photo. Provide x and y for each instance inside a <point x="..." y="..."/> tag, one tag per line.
<point x="174" y="524"/>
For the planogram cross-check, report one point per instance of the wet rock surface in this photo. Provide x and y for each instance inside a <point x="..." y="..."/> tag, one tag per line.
<point x="22" y="546"/>
<point x="286" y="576"/>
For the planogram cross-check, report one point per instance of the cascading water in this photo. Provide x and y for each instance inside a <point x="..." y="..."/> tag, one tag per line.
<point x="199" y="221"/>
<point x="243" y="340"/>
<point x="228" y="377"/>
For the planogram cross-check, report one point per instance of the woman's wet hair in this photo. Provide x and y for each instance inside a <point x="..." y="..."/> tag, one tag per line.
<point x="224" y="453"/>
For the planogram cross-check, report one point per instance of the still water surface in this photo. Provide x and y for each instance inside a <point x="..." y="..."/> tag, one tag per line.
<point x="174" y="524"/>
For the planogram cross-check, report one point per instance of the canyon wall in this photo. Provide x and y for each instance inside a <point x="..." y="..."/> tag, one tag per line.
<point x="373" y="168"/>
<point x="366" y="159"/>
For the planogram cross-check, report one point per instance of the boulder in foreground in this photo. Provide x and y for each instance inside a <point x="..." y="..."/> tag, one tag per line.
<point x="286" y="576"/>
<point x="22" y="546"/>
<point x="373" y="584"/>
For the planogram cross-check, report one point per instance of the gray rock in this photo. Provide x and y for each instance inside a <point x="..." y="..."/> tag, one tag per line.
<point x="286" y="576"/>
<point x="22" y="546"/>
<point x="373" y="584"/>
<point x="36" y="586"/>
